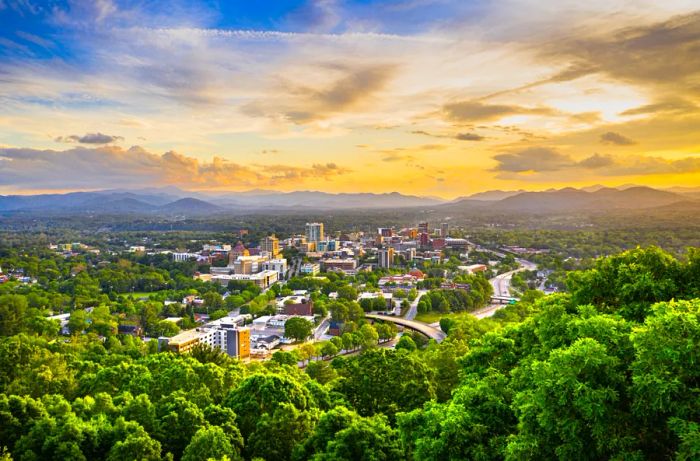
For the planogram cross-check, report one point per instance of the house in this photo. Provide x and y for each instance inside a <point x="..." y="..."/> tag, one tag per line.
<point x="133" y="330"/>
<point x="304" y="308"/>
<point x="266" y="342"/>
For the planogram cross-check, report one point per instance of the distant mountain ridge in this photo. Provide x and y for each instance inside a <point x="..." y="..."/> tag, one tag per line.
<point x="573" y="200"/>
<point x="173" y="201"/>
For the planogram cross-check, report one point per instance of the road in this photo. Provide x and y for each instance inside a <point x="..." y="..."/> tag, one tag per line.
<point x="429" y="331"/>
<point x="501" y="287"/>
<point x="293" y="269"/>
<point x="501" y="282"/>
<point x="413" y="310"/>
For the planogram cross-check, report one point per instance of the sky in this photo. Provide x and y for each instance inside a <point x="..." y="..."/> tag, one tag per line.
<point x="424" y="97"/>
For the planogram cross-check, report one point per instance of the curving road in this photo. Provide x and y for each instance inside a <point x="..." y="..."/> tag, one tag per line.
<point x="501" y="287"/>
<point x="413" y="310"/>
<point x="429" y="331"/>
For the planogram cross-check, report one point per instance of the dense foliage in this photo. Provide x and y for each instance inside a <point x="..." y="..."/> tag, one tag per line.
<point x="607" y="371"/>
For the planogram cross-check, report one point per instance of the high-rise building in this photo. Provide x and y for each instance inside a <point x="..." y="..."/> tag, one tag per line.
<point x="423" y="228"/>
<point x="271" y="244"/>
<point x="231" y="339"/>
<point x="444" y="230"/>
<point x="386" y="257"/>
<point x="314" y="232"/>
<point x="385" y="231"/>
<point x="236" y="251"/>
<point x="424" y="239"/>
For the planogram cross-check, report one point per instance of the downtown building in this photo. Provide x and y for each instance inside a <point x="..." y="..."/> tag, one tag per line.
<point x="230" y="338"/>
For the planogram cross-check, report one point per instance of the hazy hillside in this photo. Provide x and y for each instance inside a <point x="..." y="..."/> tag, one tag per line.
<point x="574" y="200"/>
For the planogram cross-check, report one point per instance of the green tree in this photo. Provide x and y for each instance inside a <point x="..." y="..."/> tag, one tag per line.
<point x="406" y="343"/>
<point x="298" y="328"/>
<point x="347" y="292"/>
<point x="260" y="394"/>
<point x="167" y="328"/>
<point x="133" y="442"/>
<point x="385" y="381"/>
<point x="78" y="321"/>
<point x="277" y="433"/>
<point x="178" y="420"/>
<point x="213" y="301"/>
<point x="12" y="310"/>
<point x="368" y="336"/>
<point x="343" y="435"/>
<point x="209" y="443"/>
<point x="328" y="349"/>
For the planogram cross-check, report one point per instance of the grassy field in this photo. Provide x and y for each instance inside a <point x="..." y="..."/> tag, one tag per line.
<point x="432" y="317"/>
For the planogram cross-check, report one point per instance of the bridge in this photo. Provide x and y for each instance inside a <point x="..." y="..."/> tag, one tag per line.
<point x="503" y="299"/>
<point x="431" y="332"/>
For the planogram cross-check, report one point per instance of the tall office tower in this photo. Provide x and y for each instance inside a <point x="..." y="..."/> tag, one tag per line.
<point x="444" y="230"/>
<point x="385" y="231"/>
<point x="271" y="244"/>
<point x="423" y="228"/>
<point x="386" y="257"/>
<point x="314" y="232"/>
<point x="424" y="240"/>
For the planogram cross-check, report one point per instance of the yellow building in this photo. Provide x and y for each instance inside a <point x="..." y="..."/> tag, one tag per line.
<point x="234" y="341"/>
<point x="184" y="341"/>
<point x="243" y="343"/>
<point x="271" y="244"/>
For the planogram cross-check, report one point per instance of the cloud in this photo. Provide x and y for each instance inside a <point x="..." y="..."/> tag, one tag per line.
<point x="617" y="139"/>
<point x="90" y="138"/>
<point x="538" y="163"/>
<point x="641" y="165"/>
<point x="279" y="174"/>
<point x="469" y="137"/>
<point x="596" y="161"/>
<point x="458" y="136"/>
<point x="397" y="158"/>
<point x="425" y="133"/>
<point x="668" y="106"/>
<point x="474" y="111"/>
<point x="36" y="40"/>
<point x="409" y="154"/>
<point x="315" y="16"/>
<point x="302" y="104"/>
<point x="532" y="159"/>
<point x="112" y="166"/>
<point x="662" y="54"/>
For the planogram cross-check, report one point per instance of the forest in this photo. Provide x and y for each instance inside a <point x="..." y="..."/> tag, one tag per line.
<point x="606" y="371"/>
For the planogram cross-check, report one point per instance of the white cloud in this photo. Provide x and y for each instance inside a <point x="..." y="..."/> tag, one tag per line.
<point x="104" y="167"/>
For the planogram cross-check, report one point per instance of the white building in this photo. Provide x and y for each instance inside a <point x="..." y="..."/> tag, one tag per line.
<point x="386" y="257"/>
<point x="262" y="279"/>
<point x="314" y="232"/>
<point x="310" y="268"/>
<point x="279" y="265"/>
<point x="182" y="257"/>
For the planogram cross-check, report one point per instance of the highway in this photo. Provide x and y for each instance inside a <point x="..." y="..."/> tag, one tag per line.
<point x="429" y="331"/>
<point x="501" y="282"/>
<point x="501" y="287"/>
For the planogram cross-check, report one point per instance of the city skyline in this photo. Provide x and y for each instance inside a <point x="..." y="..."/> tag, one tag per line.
<point x="423" y="97"/>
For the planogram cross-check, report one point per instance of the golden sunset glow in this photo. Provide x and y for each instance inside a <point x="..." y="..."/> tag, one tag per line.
<point x="422" y="97"/>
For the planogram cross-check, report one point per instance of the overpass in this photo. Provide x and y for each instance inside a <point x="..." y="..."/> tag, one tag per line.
<point x="503" y="299"/>
<point x="431" y="332"/>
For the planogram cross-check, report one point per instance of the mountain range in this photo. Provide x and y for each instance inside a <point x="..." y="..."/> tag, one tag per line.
<point x="174" y="201"/>
<point x="575" y="200"/>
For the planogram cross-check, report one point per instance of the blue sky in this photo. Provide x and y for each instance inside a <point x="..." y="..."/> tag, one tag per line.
<point x="435" y="97"/>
